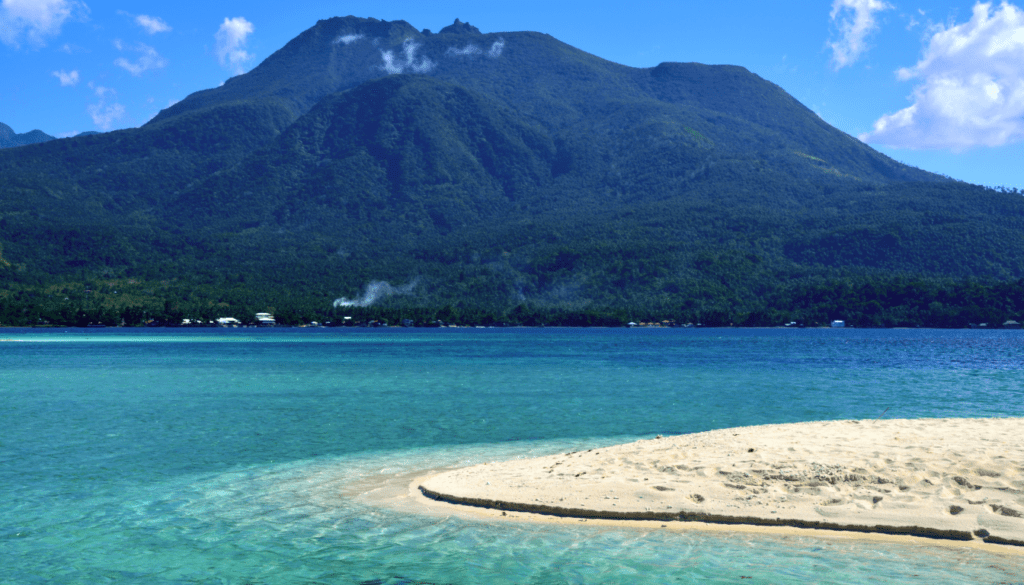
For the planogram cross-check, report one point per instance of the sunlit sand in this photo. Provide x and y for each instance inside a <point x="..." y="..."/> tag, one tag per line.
<point x="946" y="479"/>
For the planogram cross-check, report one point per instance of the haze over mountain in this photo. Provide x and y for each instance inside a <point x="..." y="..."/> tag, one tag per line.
<point x="488" y="170"/>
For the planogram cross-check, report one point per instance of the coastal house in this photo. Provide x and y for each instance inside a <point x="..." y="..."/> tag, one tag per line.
<point x="265" y="320"/>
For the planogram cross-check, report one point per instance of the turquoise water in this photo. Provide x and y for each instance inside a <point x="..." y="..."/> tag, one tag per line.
<point x="239" y="456"/>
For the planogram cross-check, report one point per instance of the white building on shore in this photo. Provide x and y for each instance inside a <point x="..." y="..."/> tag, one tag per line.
<point x="265" y="320"/>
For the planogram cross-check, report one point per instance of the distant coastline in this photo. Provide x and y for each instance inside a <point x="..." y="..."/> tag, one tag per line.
<point x="563" y="320"/>
<point x="861" y="304"/>
<point x="458" y="326"/>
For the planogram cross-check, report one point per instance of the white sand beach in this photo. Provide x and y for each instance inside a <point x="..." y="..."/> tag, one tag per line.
<point x="948" y="479"/>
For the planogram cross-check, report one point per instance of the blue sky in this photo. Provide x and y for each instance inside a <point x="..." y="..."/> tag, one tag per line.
<point x="938" y="84"/>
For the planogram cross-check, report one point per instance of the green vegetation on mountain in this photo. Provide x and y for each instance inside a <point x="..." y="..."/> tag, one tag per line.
<point x="494" y="177"/>
<point x="9" y="139"/>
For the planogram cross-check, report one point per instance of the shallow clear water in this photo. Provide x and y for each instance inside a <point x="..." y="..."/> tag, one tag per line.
<point x="237" y="456"/>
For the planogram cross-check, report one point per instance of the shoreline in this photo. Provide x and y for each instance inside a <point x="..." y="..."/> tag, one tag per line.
<point x="953" y="481"/>
<point x="419" y="328"/>
<point x="588" y="514"/>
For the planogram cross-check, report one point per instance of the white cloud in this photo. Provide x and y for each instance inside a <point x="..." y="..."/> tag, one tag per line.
<point x="66" y="78"/>
<point x="469" y="49"/>
<point x="35" y="19"/>
<point x="150" y="59"/>
<point x="105" y="114"/>
<point x="855" y="20"/>
<point x="496" y="48"/>
<point x="971" y="90"/>
<point x="100" y="90"/>
<point x="912" y="21"/>
<point x="231" y="39"/>
<point x="348" y="39"/>
<point x="409" y="64"/>
<point x="152" y="24"/>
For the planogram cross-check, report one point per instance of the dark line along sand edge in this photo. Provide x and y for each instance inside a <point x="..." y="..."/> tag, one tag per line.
<point x="582" y="513"/>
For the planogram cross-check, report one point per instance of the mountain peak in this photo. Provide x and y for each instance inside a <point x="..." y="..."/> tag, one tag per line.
<point x="460" y="28"/>
<point x="362" y="27"/>
<point x="9" y="138"/>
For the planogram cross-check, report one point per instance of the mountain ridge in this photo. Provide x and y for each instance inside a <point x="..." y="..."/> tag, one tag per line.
<point x="441" y="55"/>
<point x="10" y="139"/>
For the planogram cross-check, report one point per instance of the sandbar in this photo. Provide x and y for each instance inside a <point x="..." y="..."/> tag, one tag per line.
<point x="947" y="479"/>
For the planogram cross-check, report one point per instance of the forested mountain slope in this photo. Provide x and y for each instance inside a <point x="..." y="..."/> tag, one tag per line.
<point x="489" y="170"/>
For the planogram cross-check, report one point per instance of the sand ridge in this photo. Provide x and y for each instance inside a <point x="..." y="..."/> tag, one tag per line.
<point x="960" y="479"/>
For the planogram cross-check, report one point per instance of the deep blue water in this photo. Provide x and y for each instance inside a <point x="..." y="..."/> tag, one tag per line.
<point x="237" y="456"/>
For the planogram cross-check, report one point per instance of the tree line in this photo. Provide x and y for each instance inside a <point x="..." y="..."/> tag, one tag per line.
<point x="860" y="302"/>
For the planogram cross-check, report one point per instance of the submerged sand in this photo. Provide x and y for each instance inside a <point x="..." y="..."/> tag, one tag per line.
<point x="958" y="479"/>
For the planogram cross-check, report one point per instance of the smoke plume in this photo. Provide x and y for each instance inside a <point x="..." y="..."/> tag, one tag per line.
<point x="375" y="291"/>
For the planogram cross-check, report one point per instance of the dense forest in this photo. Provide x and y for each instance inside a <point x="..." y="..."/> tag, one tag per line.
<point x="860" y="302"/>
<point x="374" y="171"/>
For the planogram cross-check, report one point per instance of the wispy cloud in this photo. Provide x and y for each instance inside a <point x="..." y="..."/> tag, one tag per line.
<point x="348" y="39"/>
<point x="971" y="86"/>
<point x="912" y="19"/>
<point x="106" y="112"/>
<point x="149" y="59"/>
<point x="410" y="63"/>
<point x="231" y="41"/>
<point x="101" y="91"/>
<point x="66" y="78"/>
<point x="855" y="20"/>
<point x="105" y="115"/>
<point x="35" y="20"/>
<point x="470" y="49"/>
<point x="496" y="48"/>
<point x="152" y="24"/>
